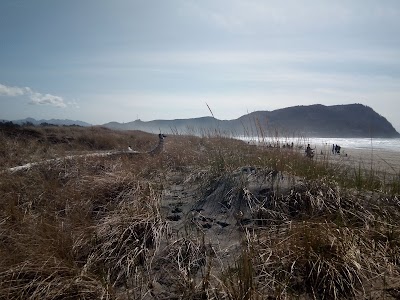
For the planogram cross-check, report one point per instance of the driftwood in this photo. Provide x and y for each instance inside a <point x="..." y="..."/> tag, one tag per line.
<point x="156" y="150"/>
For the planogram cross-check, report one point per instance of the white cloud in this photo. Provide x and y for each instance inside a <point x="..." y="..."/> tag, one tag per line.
<point x="11" y="91"/>
<point x="73" y="104"/>
<point x="35" y="97"/>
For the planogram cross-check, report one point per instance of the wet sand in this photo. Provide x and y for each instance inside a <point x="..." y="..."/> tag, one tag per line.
<point x="377" y="159"/>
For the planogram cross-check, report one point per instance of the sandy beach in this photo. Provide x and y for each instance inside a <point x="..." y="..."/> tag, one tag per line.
<point x="380" y="160"/>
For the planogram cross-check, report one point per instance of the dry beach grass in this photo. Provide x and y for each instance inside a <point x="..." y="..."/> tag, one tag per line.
<point x="209" y="218"/>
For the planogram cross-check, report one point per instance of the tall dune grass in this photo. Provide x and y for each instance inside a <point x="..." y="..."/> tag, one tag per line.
<point x="97" y="227"/>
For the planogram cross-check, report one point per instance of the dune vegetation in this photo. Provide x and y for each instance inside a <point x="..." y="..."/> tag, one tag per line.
<point x="211" y="217"/>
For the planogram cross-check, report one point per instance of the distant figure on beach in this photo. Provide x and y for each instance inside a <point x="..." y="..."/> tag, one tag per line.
<point x="333" y="148"/>
<point x="337" y="149"/>
<point x="309" y="152"/>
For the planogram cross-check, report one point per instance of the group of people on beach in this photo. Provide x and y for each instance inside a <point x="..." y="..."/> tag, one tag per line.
<point x="310" y="152"/>
<point x="335" y="149"/>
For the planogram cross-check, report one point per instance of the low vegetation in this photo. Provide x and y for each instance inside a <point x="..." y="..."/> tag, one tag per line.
<point x="209" y="218"/>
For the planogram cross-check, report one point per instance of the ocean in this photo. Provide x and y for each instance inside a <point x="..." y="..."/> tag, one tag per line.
<point x="326" y="143"/>
<point x="358" y="143"/>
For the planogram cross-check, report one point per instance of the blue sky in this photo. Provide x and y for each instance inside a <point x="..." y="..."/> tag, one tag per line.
<point x="100" y="61"/>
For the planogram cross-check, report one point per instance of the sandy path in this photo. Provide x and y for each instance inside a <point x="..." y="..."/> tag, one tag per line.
<point x="28" y="166"/>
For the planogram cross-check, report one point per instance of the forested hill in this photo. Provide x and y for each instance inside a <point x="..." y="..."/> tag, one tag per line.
<point x="352" y="120"/>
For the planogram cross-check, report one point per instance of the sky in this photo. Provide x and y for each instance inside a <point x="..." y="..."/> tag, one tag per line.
<point x="120" y="60"/>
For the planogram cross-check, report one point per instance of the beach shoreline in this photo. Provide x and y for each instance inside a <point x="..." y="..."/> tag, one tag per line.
<point x="379" y="160"/>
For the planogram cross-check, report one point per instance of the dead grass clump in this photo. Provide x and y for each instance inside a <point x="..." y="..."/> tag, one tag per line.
<point x="19" y="149"/>
<point x="185" y="150"/>
<point x="184" y="268"/>
<point x="239" y="281"/>
<point x="327" y="242"/>
<point x="105" y="194"/>
<point x="320" y="260"/>
<point x="90" y="142"/>
<point x="385" y="231"/>
<point x="45" y="253"/>
<point x="49" y="279"/>
<point x="124" y="241"/>
<point x="37" y="261"/>
<point x="77" y="228"/>
<point x="127" y="229"/>
<point x="316" y="199"/>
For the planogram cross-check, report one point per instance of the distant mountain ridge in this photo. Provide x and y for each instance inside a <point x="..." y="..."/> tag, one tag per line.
<point x="351" y="120"/>
<point x="58" y="122"/>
